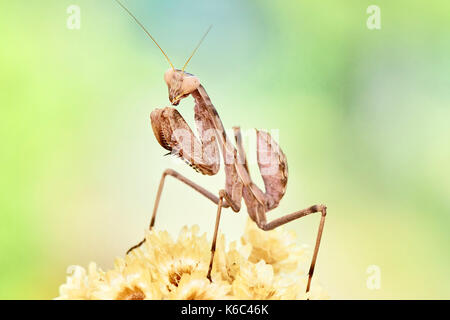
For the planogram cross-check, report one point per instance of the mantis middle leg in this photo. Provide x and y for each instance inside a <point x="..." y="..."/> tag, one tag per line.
<point x="193" y="185"/>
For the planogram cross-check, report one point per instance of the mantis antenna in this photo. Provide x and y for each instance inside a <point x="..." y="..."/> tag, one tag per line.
<point x="148" y="33"/>
<point x="195" y="50"/>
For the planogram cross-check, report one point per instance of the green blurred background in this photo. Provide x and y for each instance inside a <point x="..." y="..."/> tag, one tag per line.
<point x="363" y="115"/>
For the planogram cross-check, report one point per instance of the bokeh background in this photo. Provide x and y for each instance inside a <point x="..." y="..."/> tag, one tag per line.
<point x="363" y="117"/>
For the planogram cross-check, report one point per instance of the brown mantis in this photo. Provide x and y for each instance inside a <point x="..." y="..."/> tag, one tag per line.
<point x="174" y="134"/>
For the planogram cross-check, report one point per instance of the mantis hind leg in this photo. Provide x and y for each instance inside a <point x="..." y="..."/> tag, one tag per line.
<point x="264" y="225"/>
<point x="273" y="166"/>
<point x="193" y="185"/>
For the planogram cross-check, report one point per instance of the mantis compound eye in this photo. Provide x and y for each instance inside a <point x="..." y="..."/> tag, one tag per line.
<point x="168" y="75"/>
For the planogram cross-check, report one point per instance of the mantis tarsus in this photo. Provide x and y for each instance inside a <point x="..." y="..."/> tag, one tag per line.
<point x="174" y="134"/>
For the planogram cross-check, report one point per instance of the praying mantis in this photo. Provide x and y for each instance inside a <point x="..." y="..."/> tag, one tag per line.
<point x="202" y="153"/>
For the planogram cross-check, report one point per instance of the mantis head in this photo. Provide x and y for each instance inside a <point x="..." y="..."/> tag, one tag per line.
<point x="181" y="84"/>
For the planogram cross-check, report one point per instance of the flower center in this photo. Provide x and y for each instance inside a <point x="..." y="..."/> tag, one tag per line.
<point x="176" y="274"/>
<point x="131" y="294"/>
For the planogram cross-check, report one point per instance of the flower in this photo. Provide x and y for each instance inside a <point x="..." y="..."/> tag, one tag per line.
<point x="276" y="247"/>
<point x="129" y="280"/>
<point x="170" y="260"/>
<point x="227" y="264"/>
<point x="80" y="283"/>
<point x="197" y="287"/>
<point x="258" y="281"/>
<point x="264" y="265"/>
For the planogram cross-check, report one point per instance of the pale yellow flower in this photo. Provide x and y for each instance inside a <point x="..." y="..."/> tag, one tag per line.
<point x="197" y="287"/>
<point x="80" y="283"/>
<point x="227" y="263"/>
<point x="170" y="260"/>
<point x="129" y="280"/>
<point x="257" y="281"/>
<point x="264" y="266"/>
<point x="277" y="247"/>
